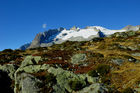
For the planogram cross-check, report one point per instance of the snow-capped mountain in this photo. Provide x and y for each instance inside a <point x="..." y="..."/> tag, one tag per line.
<point x="57" y="36"/>
<point x="85" y="33"/>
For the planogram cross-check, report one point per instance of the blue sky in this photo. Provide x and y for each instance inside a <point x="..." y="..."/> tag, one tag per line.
<point x="21" y="20"/>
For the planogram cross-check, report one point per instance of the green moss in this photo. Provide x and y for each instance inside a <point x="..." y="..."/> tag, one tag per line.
<point x="76" y="85"/>
<point x="103" y="69"/>
<point x="93" y="73"/>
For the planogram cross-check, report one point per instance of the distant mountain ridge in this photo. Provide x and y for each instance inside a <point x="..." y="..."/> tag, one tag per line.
<point x="58" y="36"/>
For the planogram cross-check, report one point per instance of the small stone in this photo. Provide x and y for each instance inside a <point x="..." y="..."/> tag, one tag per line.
<point x="136" y="54"/>
<point x="78" y="58"/>
<point x="118" y="61"/>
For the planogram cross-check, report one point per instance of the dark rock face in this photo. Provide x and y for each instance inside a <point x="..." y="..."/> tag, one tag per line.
<point x="5" y="83"/>
<point x="38" y="39"/>
<point x="45" y="37"/>
<point x="101" y="34"/>
<point x="24" y="47"/>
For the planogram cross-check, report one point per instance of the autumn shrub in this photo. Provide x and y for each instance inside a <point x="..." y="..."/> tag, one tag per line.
<point x="8" y="50"/>
<point x="96" y="55"/>
<point x="76" y="85"/>
<point x="93" y="73"/>
<point x="50" y="78"/>
<point x="103" y="69"/>
<point x="97" y="39"/>
<point x="106" y="80"/>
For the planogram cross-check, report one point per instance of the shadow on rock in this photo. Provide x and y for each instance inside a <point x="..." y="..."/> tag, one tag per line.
<point x="5" y="83"/>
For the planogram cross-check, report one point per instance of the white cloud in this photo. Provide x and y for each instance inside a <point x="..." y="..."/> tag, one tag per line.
<point x="44" y="26"/>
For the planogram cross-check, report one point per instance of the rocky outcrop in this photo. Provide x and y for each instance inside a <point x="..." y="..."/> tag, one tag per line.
<point x="64" y="77"/>
<point x="30" y="60"/>
<point x="133" y="28"/>
<point x="22" y="78"/>
<point x="74" y="28"/>
<point x="117" y="61"/>
<point x="94" y="88"/>
<point x="124" y="34"/>
<point x="25" y="82"/>
<point x="10" y="69"/>
<point x="37" y="40"/>
<point x="78" y="58"/>
<point x="136" y="54"/>
<point x="28" y="84"/>
<point x="45" y="37"/>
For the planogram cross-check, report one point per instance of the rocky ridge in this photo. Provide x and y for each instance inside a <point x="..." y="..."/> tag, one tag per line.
<point x="58" y="36"/>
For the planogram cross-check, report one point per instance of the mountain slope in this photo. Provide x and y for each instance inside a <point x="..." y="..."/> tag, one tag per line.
<point x="101" y="65"/>
<point x="58" y="36"/>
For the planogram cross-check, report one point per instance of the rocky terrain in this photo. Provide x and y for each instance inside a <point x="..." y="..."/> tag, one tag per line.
<point x="99" y="65"/>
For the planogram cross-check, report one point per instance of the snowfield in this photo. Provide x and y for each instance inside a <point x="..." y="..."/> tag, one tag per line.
<point x="85" y="33"/>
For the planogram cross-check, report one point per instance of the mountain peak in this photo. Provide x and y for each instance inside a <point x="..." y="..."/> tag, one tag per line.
<point x="75" y="28"/>
<point x="130" y="27"/>
<point x="57" y="36"/>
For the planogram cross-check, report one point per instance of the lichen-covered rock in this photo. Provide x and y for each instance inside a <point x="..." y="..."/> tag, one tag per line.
<point x="63" y="78"/>
<point x="28" y="84"/>
<point x="124" y="34"/>
<point x="10" y="69"/>
<point x="78" y="58"/>
<point x="58" y="89"/>
<point x="133" y="48"/>
<point x="27" y="69"/>
<point x="122" y="47"/>
<point x="30" y="60"/>
<point x="137" y="90"/>
<point x="136" y="54"/>
<point x="94" y="88"/>
<point x="120" y="35"/>
<point x="131" y="33"/>
<point x="32" y="68"/>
